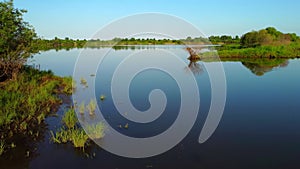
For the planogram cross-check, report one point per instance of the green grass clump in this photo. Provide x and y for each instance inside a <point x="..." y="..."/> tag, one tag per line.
<point x="82" y="108"/>
<point x="70" y="132"/>
<point x="69" y="118"/>
<point x="96" y="131"/>
<point x="69" y="85"/>
<point x="61" y="136"/>
<point x="92" y="107"/>
<point x="78" y="137"/>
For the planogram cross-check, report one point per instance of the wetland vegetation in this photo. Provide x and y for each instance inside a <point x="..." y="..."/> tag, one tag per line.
<point x="29" y="96"/>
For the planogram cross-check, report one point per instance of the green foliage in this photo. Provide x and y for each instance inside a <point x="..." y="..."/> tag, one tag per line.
<point x="92" y="107"/>
<point x="68" y="85"/>
<point x="95" y="131"/>
<point x="283" y="51"/>
<point x="79" y="138"/>
<point x="70" y="132"/>
<point x="75" y="135"/>
<point x="69" y="118"/>
<point x="272" y="31"/>
<point x="58" y="44"/>
<point x="15" y="42"/>
<point x="26" y="101"/>
<point x="82" y="108"/>
<point x="225" y="39"/>
<point x="267" y="37"/>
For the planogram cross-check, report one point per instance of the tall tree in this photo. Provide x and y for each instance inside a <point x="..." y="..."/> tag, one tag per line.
<point x="16" y="39"/>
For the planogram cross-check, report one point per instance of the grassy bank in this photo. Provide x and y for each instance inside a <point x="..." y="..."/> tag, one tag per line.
<point x="26" y="101"/>
<point x="283" y="51"/>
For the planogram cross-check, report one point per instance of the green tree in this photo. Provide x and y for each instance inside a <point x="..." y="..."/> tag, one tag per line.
<point x="273" y="31"/>
<point x="250" y="39"/>
<point x="16" y="39"/>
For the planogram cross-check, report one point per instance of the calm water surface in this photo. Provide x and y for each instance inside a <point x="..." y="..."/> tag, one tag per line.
<point x="259" y="129"/>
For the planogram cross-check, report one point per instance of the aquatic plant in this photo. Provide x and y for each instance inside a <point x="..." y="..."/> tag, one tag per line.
<point x="126" y="126"/>
<point x="102" y="97"/>
<point x="71" y="132"/>
<point x="55" y="137"/>
<point x="61" y="136"/>
<point x="92" y="107"/>
<point x="69" y="118"/>
<point x="96" y="131"/>
<point x="82" y="108"/>
<point x="83" y="81"/>
<point x="79" y="137"/>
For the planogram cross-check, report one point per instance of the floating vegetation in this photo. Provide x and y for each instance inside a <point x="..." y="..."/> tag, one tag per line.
<point x="92" y="75"/>
<point x="70" y="119"/>
<point x="96" y="131"/>
<point x="83" y="82"/>
<point x="2" y="147"/>
<point x="92" y="107"/>
<point x="74" y="85"/>
<point x="126" y="126"/>
<point x="82" y="108"/>
<point x="102" y="97"/>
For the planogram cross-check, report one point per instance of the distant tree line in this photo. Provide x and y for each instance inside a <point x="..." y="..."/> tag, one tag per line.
<point x="224" y="39"/>
<point x="57" y="43"/>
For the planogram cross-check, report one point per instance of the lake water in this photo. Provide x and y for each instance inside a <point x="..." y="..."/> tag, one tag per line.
<point x="259" y="128"/>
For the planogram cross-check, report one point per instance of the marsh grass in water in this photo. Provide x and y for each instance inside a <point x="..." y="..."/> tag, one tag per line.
<point x="96" y="131"/>
<point x="82" y="108"/>
<point x="70" y="119"/>
<point x="78" y="137"/>
<point x="83" y="82"/>
<point x="92" y="107"/>
<point x="72" y="133"/>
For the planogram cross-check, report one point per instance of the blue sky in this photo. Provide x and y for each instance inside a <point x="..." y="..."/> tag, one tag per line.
<point x="82" y="18"/>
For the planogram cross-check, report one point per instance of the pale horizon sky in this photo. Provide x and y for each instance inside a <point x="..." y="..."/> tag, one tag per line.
<point x="79" y="19"/>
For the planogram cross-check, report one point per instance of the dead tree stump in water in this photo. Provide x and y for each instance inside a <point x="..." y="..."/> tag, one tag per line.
<point x="193" y="55"/>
